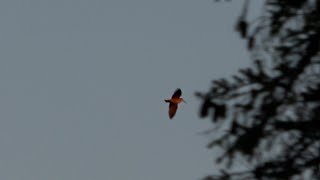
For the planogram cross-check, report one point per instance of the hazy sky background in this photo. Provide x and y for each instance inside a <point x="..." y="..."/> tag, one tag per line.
<point x="83" y="83"/>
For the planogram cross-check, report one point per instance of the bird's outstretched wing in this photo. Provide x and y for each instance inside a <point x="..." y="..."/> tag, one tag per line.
<point x="172" y="109"/>
<point x="177" y="94"/>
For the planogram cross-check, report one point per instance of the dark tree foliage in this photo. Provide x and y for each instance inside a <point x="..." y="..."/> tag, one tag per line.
<point x="267" y="116"/>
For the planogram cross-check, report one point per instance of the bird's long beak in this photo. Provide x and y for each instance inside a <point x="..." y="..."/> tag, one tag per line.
<point x="184" y="101"/>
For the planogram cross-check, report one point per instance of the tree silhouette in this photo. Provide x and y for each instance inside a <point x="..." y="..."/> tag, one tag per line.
<point x="270" y="113"/>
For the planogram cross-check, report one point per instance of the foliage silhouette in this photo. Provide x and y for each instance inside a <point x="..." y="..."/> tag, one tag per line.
<point x="270" y="112"/>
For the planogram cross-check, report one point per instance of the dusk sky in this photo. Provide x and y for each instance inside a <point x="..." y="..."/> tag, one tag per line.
<point x="83" y="84"/>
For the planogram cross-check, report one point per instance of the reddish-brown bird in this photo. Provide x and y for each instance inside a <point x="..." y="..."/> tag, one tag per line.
<point x="174" y="101"/>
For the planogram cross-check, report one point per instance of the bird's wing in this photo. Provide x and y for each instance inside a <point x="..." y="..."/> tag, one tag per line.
<point x="172" y="109"/>
<point x="177" y="94"/>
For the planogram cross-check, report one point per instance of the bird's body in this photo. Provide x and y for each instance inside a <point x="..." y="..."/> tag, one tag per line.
<point x="174" y="101"/>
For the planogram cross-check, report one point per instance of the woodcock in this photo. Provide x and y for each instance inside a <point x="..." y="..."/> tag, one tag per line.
<point x="174" y="101"/>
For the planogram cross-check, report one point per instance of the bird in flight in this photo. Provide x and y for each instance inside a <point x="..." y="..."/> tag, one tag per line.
<point x="173" y="102"/>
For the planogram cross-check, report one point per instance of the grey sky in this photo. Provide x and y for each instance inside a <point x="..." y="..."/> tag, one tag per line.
<point x="83" y="83"/>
